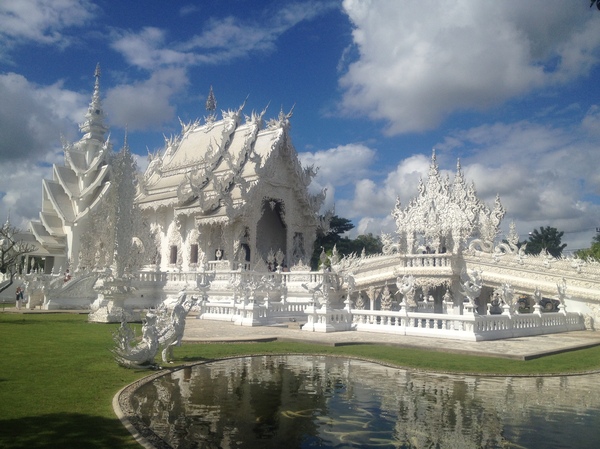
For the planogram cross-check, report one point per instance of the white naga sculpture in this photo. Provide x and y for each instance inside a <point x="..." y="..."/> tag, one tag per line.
<point x="142" y="354"/>
<point x="162" y="329"/>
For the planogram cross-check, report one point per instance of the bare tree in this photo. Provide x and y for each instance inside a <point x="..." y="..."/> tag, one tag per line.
<point x="12" y="250"/>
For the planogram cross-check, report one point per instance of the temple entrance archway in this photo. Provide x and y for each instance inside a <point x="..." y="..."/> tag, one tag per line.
<point x="271" y="230"/>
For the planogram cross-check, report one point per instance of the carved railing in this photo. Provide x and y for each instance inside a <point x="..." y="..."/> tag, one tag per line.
<point x="150" y="276"/>
<point x="465" y="327"/>
<point x="264" y="312"/>
<point x="327" y="320"/>
<point x="218" y="311"/>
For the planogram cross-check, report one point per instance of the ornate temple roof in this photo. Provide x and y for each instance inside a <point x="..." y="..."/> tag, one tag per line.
<point x="211" y="168"/>
<point x="445" y="213"/>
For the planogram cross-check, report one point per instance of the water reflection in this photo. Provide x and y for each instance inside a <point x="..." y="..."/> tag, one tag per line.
<point x="315" y="401"/>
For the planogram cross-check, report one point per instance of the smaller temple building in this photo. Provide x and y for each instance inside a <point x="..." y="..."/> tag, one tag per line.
<point x="229" y="192"/>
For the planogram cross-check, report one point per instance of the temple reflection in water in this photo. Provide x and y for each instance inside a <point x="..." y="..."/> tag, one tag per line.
<point x="309" y="401"/>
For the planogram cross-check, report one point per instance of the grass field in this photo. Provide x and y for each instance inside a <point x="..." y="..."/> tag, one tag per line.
<point x="58" y="377"/>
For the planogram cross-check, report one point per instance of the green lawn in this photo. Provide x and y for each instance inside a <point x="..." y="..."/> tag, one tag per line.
<point x="58" y="378"/>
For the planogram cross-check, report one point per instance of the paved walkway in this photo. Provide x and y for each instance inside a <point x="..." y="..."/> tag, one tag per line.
<point x="524" y="348"/>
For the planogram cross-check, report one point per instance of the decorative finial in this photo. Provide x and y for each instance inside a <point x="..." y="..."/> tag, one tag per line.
<point x="211" y="102"/>
<point x="97" y="72"/>
<point x="458" y="164"/>
<point x="125" y="143"/>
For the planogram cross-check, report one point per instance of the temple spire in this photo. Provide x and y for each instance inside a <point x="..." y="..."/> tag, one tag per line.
<point x="211" y="102"/>
<point x="94" y="126"/>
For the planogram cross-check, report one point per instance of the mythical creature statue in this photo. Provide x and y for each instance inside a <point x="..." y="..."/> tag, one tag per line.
<point x="471" y="285"/>
<point x="562" y="291"/>
<point x="141" y="355"/>
<point x="161" y="329"/>
<point x="390" y="246"/>
<point x="171" y="325"/>
<point x="508" y="294"/>
<point x="406" y="287"/>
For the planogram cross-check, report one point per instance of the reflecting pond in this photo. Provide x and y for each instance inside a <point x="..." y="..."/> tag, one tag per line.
<point x="305" y="401"/>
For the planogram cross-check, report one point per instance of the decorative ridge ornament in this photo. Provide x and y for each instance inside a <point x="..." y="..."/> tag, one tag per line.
<point x="443" y="216"/>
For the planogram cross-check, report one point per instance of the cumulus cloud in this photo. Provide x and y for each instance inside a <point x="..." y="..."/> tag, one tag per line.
<point x="340" y="165"/>
<point x="33" y="117"/>
<point x="19" y="196"/>
<point x="421" y="62"/>
<point x="145" y="104"/>
<point x="337" y="168"/>
<point x="544" y="175"/>
<point x="42" y="21"/>
<point x="221" y="40"/>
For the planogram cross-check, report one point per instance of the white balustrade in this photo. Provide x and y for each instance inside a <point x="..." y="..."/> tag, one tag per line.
<point x="464" y="327"/>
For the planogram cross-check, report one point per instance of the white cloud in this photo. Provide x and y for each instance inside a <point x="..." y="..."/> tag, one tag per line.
<point x="149" y="50"/>
<point x="372" y="204"/>
<point x="42" y="21"/>
<point x="337" y="167"/>
<point x="591" y="121"/>
<point x="147" y="103"/>
<point x="420" y="62"/>
<point x="545" y="176"/>
<point x="21" y="191"/>
<point x="341" y="165"/>
<point x="32" y="117"/>
<point x="221" y="40"/>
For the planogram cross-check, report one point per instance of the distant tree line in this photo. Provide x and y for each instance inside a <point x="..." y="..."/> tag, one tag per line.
<point x="345" y="246"/>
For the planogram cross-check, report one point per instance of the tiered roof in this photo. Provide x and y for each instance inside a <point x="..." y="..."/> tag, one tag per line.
<point x="210" y="169"/>
<point x="78" y="187"/>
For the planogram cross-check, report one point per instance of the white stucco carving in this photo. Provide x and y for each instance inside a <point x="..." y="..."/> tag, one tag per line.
<point x="226" y="198"/>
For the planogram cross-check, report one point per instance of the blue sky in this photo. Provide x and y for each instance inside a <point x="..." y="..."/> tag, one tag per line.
<point x="509" y="87"/>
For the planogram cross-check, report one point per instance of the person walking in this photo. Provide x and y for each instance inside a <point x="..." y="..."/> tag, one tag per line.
<point x="19" y="297"/>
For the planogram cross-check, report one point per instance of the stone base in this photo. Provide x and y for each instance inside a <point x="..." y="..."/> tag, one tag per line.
<point x="327" y="319"/>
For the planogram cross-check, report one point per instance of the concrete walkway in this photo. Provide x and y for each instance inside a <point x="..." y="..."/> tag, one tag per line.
<point x="523" y="348"/>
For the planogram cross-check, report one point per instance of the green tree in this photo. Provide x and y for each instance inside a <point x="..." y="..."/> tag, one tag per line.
<point x="370" y="243"/>
<point x="345" y="246"/>
<point x="592" y="252"/>
<point x="548" y="239"/>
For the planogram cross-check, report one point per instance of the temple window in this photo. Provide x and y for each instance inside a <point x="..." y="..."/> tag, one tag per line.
<point x="173" y="255"/>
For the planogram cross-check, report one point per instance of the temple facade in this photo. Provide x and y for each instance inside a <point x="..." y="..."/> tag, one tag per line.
<point x="225" y="192"/>
<point x="224" y="212"/>
<point x="230" y="192"/>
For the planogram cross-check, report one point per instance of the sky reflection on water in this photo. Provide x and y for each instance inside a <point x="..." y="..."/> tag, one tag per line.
<point x="316" y="401"/>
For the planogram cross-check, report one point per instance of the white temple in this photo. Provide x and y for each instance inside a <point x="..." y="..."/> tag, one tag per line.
<point x="224" y="213"/>
<point x="229" y="192"/>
